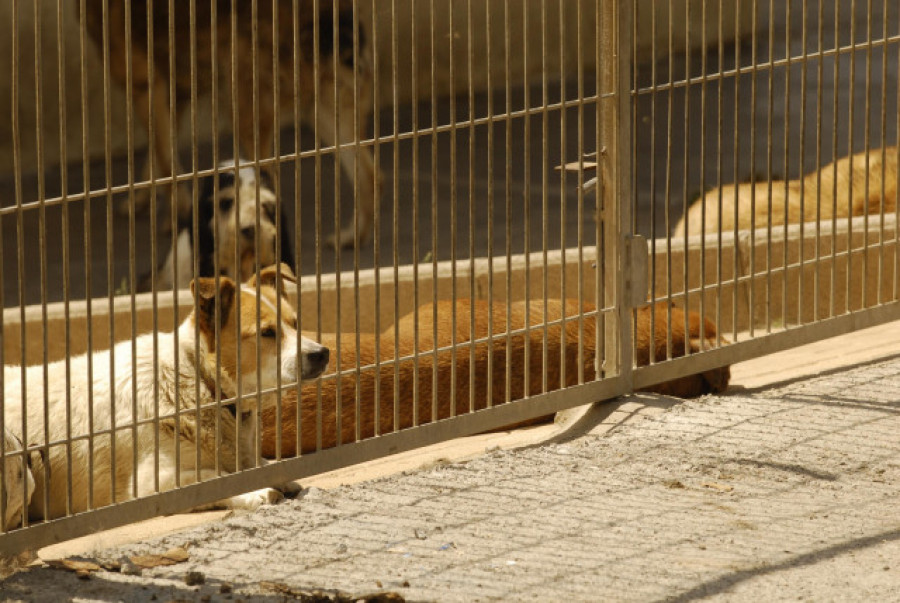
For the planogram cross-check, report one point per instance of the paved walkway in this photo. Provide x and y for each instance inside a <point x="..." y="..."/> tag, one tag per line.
<point x="788" y="492"/>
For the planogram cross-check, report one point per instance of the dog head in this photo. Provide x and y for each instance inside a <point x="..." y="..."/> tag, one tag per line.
<point x="230" y="211"/>
<point x="18" y="479"/>
<point x="258" y="336"/>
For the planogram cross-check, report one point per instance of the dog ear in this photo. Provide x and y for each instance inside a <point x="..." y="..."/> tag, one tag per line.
<point x="207" y="296"/>
<point x="268" y="277"/>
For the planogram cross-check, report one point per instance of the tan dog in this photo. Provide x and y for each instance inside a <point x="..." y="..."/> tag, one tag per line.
<point x="342" y="75"/>
<point x="683" y="335"/>
<point x="18" y="481"/>
<point x="819" y="200"/>
<point x="162" y="381"/>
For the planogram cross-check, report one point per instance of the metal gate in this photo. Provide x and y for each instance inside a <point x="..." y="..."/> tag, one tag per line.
<point x="473" y="165"/>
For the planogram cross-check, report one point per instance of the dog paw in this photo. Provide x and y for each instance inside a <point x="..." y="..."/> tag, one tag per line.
<point x="254" y="500"/>
<point x="290" y="489"/>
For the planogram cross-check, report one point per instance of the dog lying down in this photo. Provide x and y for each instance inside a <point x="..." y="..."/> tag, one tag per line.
<point x="684" y="333"/>
<point x="136" y="387"/>
<point x="837" y="190"/>
<point x="227" y="211"/>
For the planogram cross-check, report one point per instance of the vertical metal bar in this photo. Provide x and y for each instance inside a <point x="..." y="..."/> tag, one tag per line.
<point x="754" y="73"/>
<point x="236" y="153"/>
<point x="867" y="145"/>
<point x="110" y="248"/>
<point x="654" y="97"/>
<point x="470" y="58"/>
<point x="507" y="84"/>
<point x="376" y="243"/>
<point x="132" y="256"/>
<point x="154" y="232"/>
<point x="454" y="218"/>
<point x="298" y="222"/>
<point x="336" y="117"/>
<point x="64" y="188"/>
<point x="257" y="218"/>
<point x="317" y="108"/>
<point x="686" y="149"/>
<point x="804" y="62"/>
<point x="526" y="195"/>
<point x="434" y="213"/>
<point x="769" y="174"/>
<point x="20" y="224"/>
<point x="415" y="205"/>
<point x="490" y="202"/>
<point x="735" y="266"/>
<point x="357" y="303"/>
<point x="883" y="145"/>
<point x="834" y="155"/>
<point x="562" y="191"/>
<point x="195" y="210"/>
<point x="395" y="111"/>
<point x="720" y="124"/>
<point x="86" y="173"/>
<point x="545" y="177"/>
<point x="670" y="111"/>
<point x="848" y="290"/>
<point x="214" y="109"/>
<point x="820" y="72"/>
<point x="704" y="68"/>
<point x="42" y="233"/>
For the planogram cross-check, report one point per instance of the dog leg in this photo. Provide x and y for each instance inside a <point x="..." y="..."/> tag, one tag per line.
<point x="357" y="164"/>
<point x="249" y="501"/>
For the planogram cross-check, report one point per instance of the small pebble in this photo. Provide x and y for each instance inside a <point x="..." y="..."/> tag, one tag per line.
<point x="224" y="588"/>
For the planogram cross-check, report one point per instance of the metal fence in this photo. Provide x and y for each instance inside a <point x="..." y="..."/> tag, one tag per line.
<point x="474" y="205"/>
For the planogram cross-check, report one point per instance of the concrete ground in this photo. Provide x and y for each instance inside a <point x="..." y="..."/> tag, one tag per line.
<point x="772" y="492"/>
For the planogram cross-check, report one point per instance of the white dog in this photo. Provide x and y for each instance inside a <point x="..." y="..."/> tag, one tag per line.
<point x="143" y="399"/>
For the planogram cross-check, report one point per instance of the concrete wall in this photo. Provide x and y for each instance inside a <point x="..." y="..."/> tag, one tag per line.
<point x="564" y="28"/>
<point x="759" y="298"/>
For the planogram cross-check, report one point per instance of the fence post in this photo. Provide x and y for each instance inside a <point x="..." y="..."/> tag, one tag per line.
<point x="614" y="159"/>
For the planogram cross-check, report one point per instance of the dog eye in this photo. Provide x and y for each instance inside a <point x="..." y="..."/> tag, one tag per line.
<point x="225" y="203"/>
<point x="267" y="332"/>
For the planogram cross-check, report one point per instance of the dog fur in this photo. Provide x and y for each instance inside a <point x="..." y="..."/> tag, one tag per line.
<point x="342" y="78"/>
<point x="88" y="403"/>
<point x="847" y="176"/>
<point x="684" y="334"/>
<point x="18" y="482"/>
<point x="235" y="222"/>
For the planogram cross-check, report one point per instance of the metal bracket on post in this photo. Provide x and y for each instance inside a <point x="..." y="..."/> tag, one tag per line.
<point x="637" y="261"/>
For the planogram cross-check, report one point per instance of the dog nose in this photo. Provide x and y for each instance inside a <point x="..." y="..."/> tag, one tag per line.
<point x="318" y="360"/>
<point x="248" y="231"/>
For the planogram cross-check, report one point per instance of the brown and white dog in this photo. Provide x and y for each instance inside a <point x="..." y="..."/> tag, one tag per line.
<point x="168" y="375"/>
<point x="331" y="64"/>
<point x="686" y="333"/>
<point x="838" y="190"/>
<point x="228" y="235"/>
